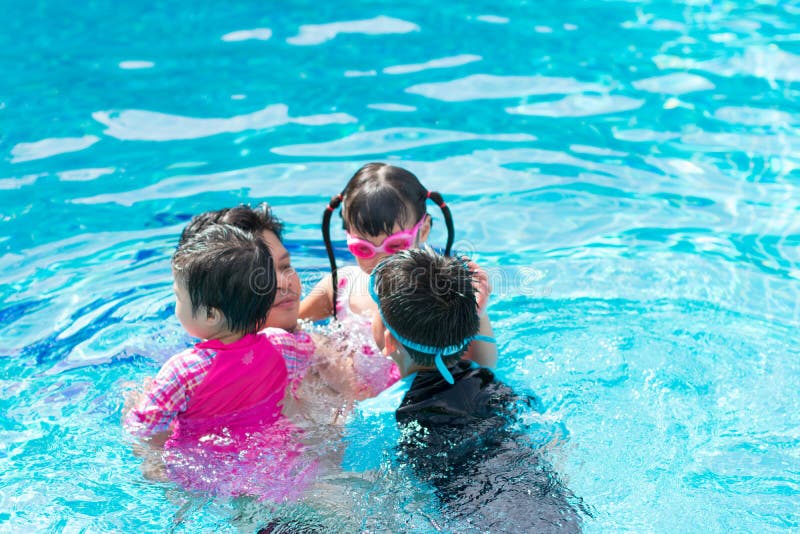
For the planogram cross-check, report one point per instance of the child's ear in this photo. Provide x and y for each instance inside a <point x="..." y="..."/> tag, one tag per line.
<point x="389" y="343"/>
<point x="215" y="317"/>
<point x="425" y="229"/>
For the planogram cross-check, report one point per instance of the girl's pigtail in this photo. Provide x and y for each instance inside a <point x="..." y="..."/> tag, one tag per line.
<point x="448" y="219"/>
<point x="326" y="237"/>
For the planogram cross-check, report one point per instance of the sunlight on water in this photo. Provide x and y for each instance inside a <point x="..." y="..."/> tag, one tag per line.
<point x="626" y="172"/>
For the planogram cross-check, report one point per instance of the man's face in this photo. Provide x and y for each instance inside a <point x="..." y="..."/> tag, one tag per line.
<point x="284" y="311"/>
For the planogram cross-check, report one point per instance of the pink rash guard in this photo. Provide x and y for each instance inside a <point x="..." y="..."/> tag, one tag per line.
<point x="230" y="438"/>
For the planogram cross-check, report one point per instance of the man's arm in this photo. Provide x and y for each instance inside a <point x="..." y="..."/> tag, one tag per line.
<point x="318" y="304"/>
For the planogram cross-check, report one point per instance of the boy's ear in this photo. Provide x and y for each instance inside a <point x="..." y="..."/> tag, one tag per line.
<point x="389" y="343"/>
<point x="378" y="330"/>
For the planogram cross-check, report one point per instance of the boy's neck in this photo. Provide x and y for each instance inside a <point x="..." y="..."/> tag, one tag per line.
<point x="415" y="367"/>
<point x="408" y="366"/>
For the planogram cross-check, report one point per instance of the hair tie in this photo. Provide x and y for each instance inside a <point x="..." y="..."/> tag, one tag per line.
<point x="330" y="206"/>
<point x="442" y="205"/>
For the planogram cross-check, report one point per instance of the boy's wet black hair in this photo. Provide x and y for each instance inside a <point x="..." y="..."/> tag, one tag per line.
<point x="231" y="270"/>
<point x="377" y="197"/>
<point x="429" y="299"/>
<point x="254" y="220"/>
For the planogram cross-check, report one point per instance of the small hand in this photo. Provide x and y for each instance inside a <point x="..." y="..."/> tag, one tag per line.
<point x="481" y="285"/>
<point x="133" y="396"/>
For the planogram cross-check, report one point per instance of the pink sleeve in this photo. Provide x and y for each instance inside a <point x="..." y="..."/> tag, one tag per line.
<point x="165" y="398"/>
<point x="296" y="348"/>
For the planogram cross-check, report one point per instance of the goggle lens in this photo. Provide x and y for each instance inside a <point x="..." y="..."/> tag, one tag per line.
<point x="361" y="250"/>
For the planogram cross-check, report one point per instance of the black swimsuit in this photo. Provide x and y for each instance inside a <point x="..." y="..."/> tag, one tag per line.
<point x="467" y="446"/>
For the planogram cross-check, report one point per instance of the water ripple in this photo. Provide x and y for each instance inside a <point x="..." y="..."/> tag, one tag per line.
<point x="441" y="63"/>
<point x="493" y="19"/>
<point x="84" y="175"/>
<point x="751" y="116"/>
<point x="134" y="64"/>
<point x="314" y="34"/>
<point x="677" y="83"/>
<point x="644" y="247"/>
<point x="278" y="180"/>
<point x="51" y="147"/>
<point x="765" y="145"/>
<point x="258" y="34"/>
<point x="143" y="125"/>
<point x="768" y="62"/>
<point x="391" y="140"/>
<point x="388" y="106"/>
<point x="579" y="106"/>
<point x="486" y="86"/>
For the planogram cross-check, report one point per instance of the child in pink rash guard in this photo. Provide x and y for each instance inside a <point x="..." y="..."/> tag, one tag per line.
<point x="220" y="400"/>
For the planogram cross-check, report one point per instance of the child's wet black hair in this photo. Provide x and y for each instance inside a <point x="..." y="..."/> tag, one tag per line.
<point x="254" y="220"/>
<point x="379" y="196"/>
<point x="376" y="198"/>
<point x="429" y="299"/>
<point x="231" y="270"/>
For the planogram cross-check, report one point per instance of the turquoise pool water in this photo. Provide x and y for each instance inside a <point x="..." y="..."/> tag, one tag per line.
<point x="628" y="171"/>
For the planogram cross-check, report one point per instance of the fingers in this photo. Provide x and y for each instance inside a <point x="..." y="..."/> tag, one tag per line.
<point x="482" y="286"/>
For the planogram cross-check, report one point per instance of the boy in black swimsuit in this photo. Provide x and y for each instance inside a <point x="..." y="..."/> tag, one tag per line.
<point x="459" y="423"/>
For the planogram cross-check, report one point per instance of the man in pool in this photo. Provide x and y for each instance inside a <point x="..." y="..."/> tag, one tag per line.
<point x="457" y="421"/>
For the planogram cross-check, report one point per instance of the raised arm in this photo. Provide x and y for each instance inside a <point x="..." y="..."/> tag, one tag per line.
<point x="482" y="352"/>
<point x="318" y="304"/>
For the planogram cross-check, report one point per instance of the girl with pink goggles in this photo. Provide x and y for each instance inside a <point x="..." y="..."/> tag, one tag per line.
<point x="402" y="240"/>
<point x="376" y="199"/>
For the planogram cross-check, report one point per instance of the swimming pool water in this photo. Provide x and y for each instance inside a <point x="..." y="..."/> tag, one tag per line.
<point x="627" y="171"/>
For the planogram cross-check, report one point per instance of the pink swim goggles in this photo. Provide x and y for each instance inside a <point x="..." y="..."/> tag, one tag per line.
<point x="402" y="240"/>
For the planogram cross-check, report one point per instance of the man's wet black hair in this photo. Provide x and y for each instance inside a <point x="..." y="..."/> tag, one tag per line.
<point x="254" y="220"/>
<point x="429" y="299"/>
<point x="377" y="197"/>
<point x="231" y="270"/>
